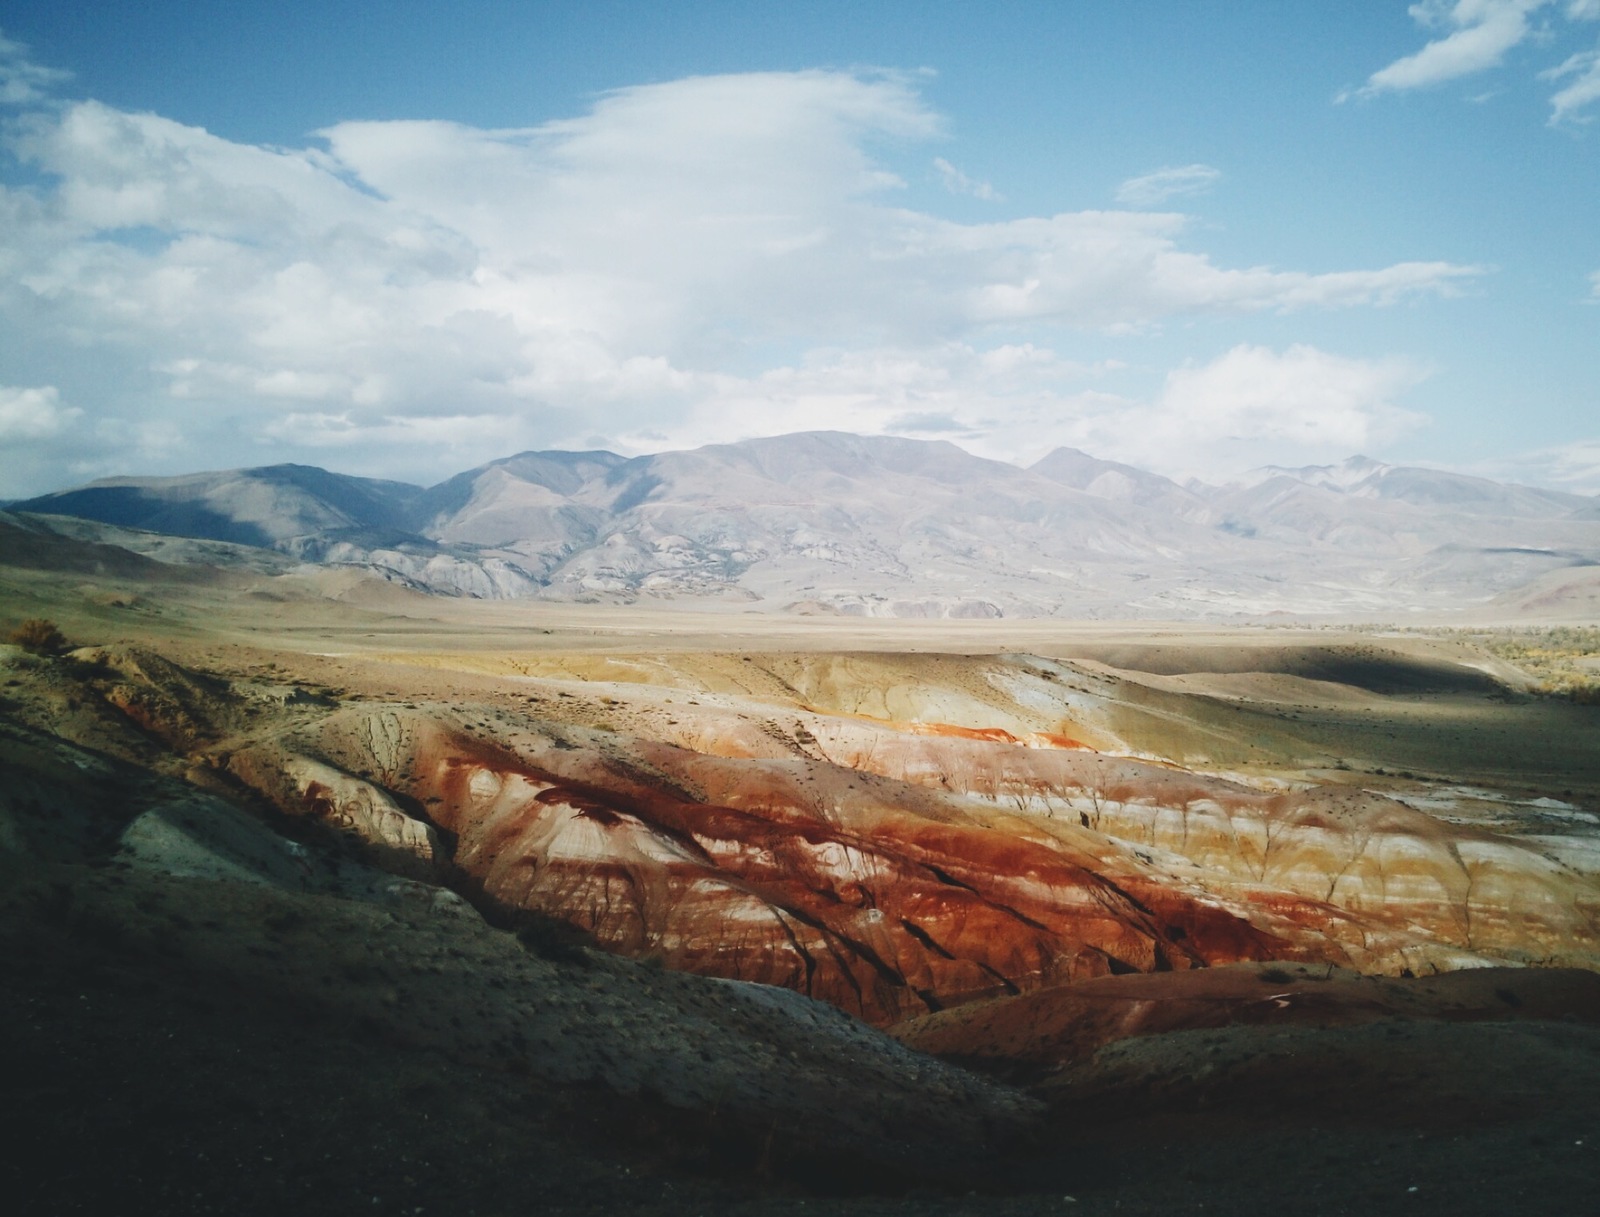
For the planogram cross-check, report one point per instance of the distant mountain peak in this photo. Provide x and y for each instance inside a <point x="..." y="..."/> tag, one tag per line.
<point x="1116" y="482"/>
<point x="891" y="526"/>
<point x="1347" y="474"/>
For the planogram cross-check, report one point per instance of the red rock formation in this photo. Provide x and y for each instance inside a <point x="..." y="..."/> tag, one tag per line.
<point x="1369" y="857"/>
<point x="886" y="902"/>
<point x="894" y="872"/>
<point x="365" y="814"/>
<point x="884" y="919"/>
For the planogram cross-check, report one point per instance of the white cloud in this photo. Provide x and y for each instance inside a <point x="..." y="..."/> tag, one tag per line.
<point x="1253" y="406"/>
<point x="40" y="436"/>
<point x="1481" y="32"/>
<point x="957" y="182"/>
<point x="21" y="79"/>
<point x="1248" y="407"/>
<point x="33" y="414"/>
<point x="877" y="390"/>
<point x="1151" y="189"/>
<point x="425" y="295"/>
<point x="1584" y="90"/>
<point x="1573" y="467"/>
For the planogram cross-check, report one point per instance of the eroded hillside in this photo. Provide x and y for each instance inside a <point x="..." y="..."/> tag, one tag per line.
<point x="890" y="834"/>
<point x="1127" y="872"/>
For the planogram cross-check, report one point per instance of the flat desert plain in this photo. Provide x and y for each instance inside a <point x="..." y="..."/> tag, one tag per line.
<point x="325" y="896"/>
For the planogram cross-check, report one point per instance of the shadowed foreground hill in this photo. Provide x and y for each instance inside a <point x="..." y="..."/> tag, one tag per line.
<point x="137" y="908"/>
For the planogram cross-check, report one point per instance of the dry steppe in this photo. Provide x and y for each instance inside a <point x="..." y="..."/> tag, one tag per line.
<point x="322" y="895"/>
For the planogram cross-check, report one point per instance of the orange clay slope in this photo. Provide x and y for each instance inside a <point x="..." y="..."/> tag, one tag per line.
<point x="895" y="873"/>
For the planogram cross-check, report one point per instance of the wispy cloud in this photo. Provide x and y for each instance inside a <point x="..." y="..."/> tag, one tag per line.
<point x="1151" y="189"/>
<point x="957" y="182"/>
<point x="1481" y="32"/>
<point x="21" y="79"/>
<point x="1584" y="89"/>
<point x="1574" y="467"/>
<point x="1480" y="35"/>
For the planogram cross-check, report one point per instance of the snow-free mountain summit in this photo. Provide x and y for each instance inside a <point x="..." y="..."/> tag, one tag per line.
<point x="883" y="526"/>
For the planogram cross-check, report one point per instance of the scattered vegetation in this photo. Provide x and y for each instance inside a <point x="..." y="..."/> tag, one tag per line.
<point x="1564" y="660"/>
<point x="39" y="636"/>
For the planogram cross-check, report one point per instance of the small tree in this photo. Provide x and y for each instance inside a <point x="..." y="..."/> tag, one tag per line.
<point x="38" y="636"/>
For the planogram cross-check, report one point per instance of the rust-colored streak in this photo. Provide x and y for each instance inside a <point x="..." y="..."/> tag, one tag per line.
<point x="880" y="910"/>
<point x="904" y="872"/>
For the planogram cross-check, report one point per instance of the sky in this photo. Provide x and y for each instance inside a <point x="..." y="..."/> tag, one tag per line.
<point x="402" y="240"/>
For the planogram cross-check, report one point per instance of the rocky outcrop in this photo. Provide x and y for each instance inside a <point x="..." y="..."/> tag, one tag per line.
<point x="364" y="814"/>
<point x="1371" y="858"/>
<point x="204" y="949"/>
<point x="876" y="909"/>
<point x="182" y="709"/>
<point x="943" y="867"/>
<point x="891" y="866"/>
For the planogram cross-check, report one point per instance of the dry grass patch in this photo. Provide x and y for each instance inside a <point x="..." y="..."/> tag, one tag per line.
<point x="1564" y="660"/>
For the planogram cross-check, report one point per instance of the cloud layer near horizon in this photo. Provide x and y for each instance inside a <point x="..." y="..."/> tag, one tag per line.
<point x="698" y="260"/>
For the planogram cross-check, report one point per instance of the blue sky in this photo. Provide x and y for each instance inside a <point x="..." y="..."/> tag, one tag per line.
<point x="401" y="240"/>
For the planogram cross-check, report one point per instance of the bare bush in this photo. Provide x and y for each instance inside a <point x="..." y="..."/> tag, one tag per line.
<point x="38" y="636"/>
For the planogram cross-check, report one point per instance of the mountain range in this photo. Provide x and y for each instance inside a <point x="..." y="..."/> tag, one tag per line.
<point x="830" y="522"/>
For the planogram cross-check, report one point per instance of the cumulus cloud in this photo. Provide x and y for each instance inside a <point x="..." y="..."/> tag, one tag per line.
<point x="424" y="295"/>
<point x="43" y="440"/>
<point x="1254" y="406"/>
<point x="33" y="414"/>
<point x="1247" y="407"/>
<point x="1152" y="189"/>
<point x="952" y="387"/>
